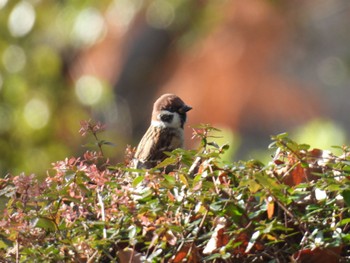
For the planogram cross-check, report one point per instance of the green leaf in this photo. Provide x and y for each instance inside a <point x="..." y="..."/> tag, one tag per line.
<point x="304" y="147"/>
<point x="346" y="196"/>
<point x="344" y="222"/>
<point x="132" y="232"/>
<point x="217" y="206"/>
<point x="225" y="147"/>
<point x="166" y="162"/>
<point x="69" y="176"/>
<point x="235" y="212"/>
<point x="346" y="237"/>
<point x="170" y="179"/>
<point x="5" y="243"/>
<point x="282" y="135"/>
<point x="183" y="179"/>
<point x="84" y="189"/>
<point x="8" y="191"/>
<point x="44" y="223"/>
<point x="252" y="185"/>
<point x="103" y="142"/>
<point x="214" y="144"/>
<point x="137" y="180"/>
<point x="266" y="181"/>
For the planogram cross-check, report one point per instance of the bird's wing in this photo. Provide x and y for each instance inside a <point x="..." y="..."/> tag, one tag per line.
<point x="156" y="141"/>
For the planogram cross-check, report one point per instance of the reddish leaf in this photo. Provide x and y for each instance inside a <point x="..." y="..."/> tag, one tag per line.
<point x="171" y="196"/>
<point x="128" y="255"/>
<point x="182" y="254"/>
<point x="223" y="177"/>
<point x="278" y="162"/>
<point x="242" y="238"/>
<point x="296" y="176"/>
<point x="329" y="255"/>
<point x="223" y="238"/>
<point x="218" y="238"/>
<point x="270" y="209"/>
<point x="302" y="174"/>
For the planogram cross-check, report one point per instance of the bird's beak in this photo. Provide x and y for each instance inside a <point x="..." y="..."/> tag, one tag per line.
<point x="185" y="109"/>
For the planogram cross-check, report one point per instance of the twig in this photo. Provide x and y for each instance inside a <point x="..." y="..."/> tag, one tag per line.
<point x="17" y="250"/>
<point x="103" y="215"/>
<point x="196" y="236"/>
<point x="92" y="257"/>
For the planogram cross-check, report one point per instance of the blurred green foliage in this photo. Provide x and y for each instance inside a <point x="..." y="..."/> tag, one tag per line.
<point x="39" y="111"/>
<point x="40" y="105"/>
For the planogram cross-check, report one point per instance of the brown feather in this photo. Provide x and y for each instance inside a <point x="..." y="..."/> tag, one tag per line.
<point x="155" y="142"/>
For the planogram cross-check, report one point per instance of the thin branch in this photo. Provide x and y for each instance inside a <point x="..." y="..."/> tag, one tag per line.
<point x="103" y="215"/>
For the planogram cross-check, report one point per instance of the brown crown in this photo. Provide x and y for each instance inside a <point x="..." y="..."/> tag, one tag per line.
<point x="170" y="102"/>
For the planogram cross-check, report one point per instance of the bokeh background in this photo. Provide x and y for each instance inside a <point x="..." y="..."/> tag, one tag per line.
<point x="252" y="68"/>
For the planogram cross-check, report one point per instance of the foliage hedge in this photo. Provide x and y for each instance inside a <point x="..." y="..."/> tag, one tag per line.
<point x="293" y="209"/>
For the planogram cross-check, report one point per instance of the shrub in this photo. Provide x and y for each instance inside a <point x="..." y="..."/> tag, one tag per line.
<point x="296" y="208"/>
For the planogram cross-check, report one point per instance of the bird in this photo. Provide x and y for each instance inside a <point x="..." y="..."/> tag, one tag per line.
<point x="165" y="133"/>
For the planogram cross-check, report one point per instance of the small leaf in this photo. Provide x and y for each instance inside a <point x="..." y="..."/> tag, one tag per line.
<point x="181" y="255"/>
<point x="225" y="147"/>
<point x="137" y="180"/>
<point x="344" y="222"/>
<point x="43" y="223"/>
<point x="5" y="243"/>
<point x="320" y="194"/>
<point x="132" y="232"/>
<point x="252" y="241"/>
<point x="270" y="209"/>
<point x="183" y="179"/>
<point x="346" y="196"/>
<point x="214" y="144"/>
<point x="282" y="135"/>
<point x="170" y="179"/>
<point x="171" y="196"/>
<point x="170" y="238"/>
<point x="218" y="238"/>
<point x="253" y="186"/>
<point x="217" y="206"/>
<point x="69" y="176"/>
<point x="266" y="181"/>
<point x="304" y="147"/>
<point x="103" y="142"/>
<point x="329" y="255"/>
<point x="166" y="162"/>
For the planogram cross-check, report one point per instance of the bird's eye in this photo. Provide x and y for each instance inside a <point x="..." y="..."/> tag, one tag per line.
<point x="166" y="117"/>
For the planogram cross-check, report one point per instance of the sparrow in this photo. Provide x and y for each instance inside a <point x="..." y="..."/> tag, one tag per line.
<point x="166" y="132"/>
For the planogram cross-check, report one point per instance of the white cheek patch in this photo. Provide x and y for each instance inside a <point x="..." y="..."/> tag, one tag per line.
<point x="175" y="122"/>
<point x="158" y="124"/>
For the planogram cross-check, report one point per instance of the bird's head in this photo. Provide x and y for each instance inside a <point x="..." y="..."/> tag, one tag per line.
<point x="169" y="111"/>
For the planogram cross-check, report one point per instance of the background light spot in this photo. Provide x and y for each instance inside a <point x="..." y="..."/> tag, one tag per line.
<point x="21" y="19"/>
<point x="3" y="3"/>
<point x="37" y="113"/>
<point x="88" y="90"/>
<point x="122" y="12"/>
<point x="332" y="71"/>
<point x="14" y="59"/>
<point x="88" y="27"/>
<point x="160" y="14"/>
